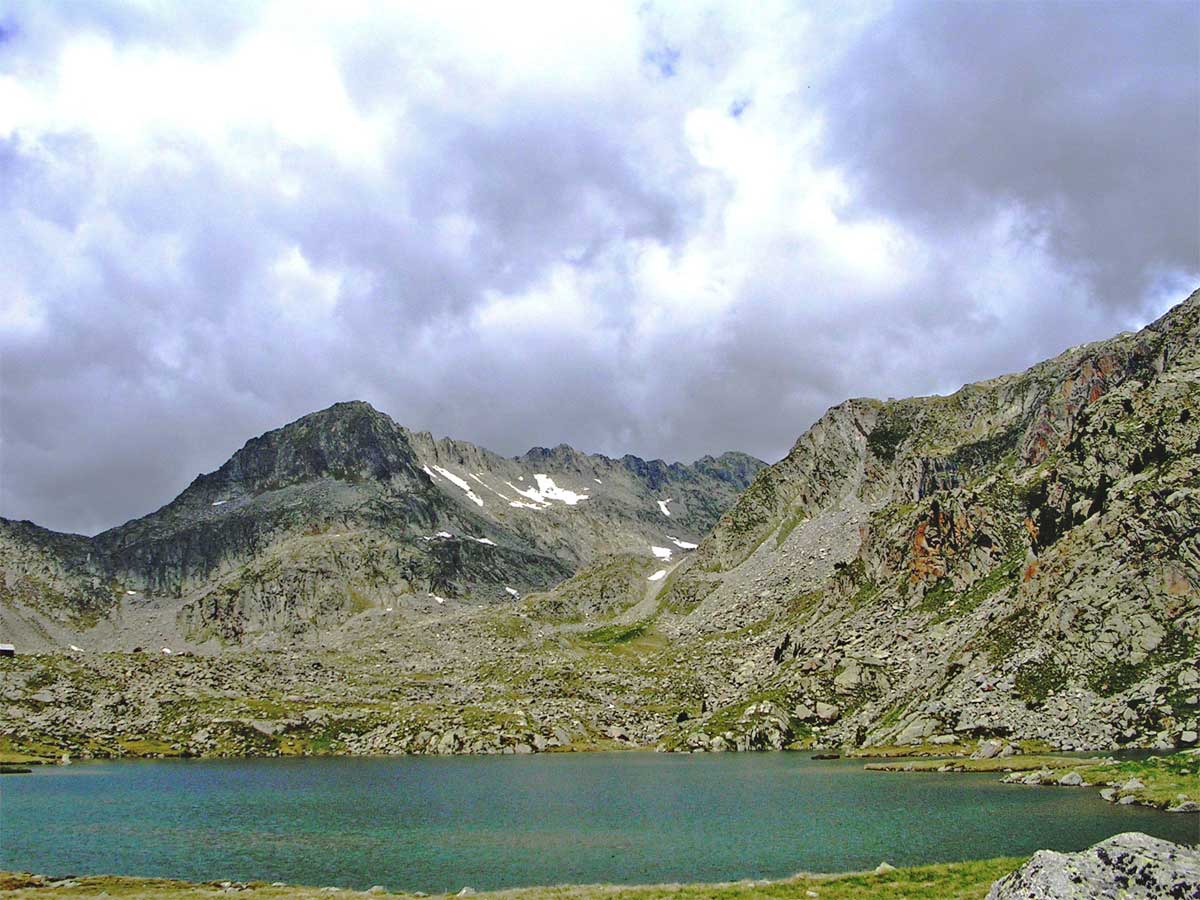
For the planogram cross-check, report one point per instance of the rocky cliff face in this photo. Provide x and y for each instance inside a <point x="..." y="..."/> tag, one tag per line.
<point x="344" y="511"/>
<point x="1020" y="558"/>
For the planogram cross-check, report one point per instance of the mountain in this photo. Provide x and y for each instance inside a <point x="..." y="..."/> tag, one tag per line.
<point x="1011" y="567"/>
<point x="1020" y="558"/>
<point x="343" y="511"/>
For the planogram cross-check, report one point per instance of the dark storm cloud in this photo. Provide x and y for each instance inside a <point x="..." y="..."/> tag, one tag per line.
<point x="630" y="235"/>
<point x="1086" y="114"/>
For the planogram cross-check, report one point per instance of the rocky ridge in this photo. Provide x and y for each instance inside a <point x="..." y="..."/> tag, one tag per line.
<point x="1015" y="565"/>
<point x="341" y="512"/>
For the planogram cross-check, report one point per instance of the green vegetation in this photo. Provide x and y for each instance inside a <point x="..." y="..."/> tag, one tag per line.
<point x="1164" y="780"/>
<point x="1168" y="779"/>
<point x="616" y="634"/>
<point x="1121" y="675"/>
<point x="788" y="526"/>
<point x="946" y="602"/>
<point x="1008" y="764"/>
<point x="893" y="427"/>
<point x="1038" y="679"/>
<point x="947" y="881"/>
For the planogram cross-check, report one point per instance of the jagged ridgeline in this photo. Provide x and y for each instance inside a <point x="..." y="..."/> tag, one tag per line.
<point x="344" y="511"/>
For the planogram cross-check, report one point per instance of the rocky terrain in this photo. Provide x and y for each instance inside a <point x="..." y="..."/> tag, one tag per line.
<point x="340" y="513"/>
<point x="1015" y="565"/>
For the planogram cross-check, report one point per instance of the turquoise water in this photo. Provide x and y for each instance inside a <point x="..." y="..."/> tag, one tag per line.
<point x="438" y="824"/>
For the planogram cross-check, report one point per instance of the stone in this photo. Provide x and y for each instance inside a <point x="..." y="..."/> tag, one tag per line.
<point x="803" y="713"/>
<point x="828" y="712"/>
<point x="1123" y="867"/>
<point x="1109" y="794"/>
<point x="1071" y="779"/>
<point x="1133" y="784"/>
<point x="884" y="867"/>
<point x="988" y="750"/>
<point x="1188" y="737"/>
<point x="1187" y="806"/>
<point x="377" y="889"/>
<point x="465" y="892"/>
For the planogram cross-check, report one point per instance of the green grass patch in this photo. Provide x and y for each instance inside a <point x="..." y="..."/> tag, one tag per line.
<point x="615" y="634"/>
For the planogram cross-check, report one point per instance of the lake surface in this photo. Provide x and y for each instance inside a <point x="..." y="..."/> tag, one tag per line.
<point x="435" y="824"/>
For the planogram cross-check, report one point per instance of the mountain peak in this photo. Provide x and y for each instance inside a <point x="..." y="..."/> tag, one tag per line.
<point x="348" y="440"/>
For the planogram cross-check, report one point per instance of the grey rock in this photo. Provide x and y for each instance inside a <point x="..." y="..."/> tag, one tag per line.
<point x="988" y="750"/>
<point x="1125" y="867"/>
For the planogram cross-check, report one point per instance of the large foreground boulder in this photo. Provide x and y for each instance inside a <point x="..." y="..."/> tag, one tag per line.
<point x="1124" y="867"/>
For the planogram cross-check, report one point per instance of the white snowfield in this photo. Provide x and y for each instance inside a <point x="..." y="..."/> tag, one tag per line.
<point x="683" y="545"/>
<point x="444" y="534"/>
<point x="513" y="592"/>
<point x="662" y="506"/>
<point x="219" y="502"/>
<point x="545" y="492"/>
<point x="658" y="576"/>
<point x="76" y="649"/>
<point x="460" y="483"/>
<point x="490" y="543"/>
<point x="661" y="552"/>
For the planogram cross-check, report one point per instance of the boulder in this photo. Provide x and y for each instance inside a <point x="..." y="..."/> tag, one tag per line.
<point x="1124" y="867"/>
<point x="827" y="712"/>
<point x="1071" y="779"/>
<point x="988" y="750"/>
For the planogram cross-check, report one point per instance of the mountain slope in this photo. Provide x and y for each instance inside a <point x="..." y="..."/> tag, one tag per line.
<point x="344" y="511"/>
<point x="1018" y="558"/>
<point x="1011" y="566"/>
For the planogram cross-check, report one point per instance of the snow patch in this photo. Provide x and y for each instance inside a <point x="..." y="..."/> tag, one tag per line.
<point x="598" y="481"/>
<point x="167" y="650"/>
<point x="425" y="469"/>
<point x="658" y="576"/>
<point x="440" y="600"/>
<point x="490" y="543"/>
<point x="683" y="545"/>
<point x="219" y="502"/>
<point x="460" y="483"/>
<point x="131" y="593"/>
<point x="511" y="591"/>
<point x="661" y="552"/>
<point x="546" y="491"/>
<point x="662" y="507"/>
<point x="76" y="649"/>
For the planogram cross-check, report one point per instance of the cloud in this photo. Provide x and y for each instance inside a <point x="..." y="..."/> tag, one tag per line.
<point x="1085" y="116"/>
<point x="634" y="228"/>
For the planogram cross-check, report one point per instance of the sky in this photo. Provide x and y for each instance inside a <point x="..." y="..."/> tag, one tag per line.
<point x="650" y="228"/>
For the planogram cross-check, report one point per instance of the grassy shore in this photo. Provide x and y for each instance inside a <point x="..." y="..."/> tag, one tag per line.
<point x="951" y="881"/>
<point x="1158" y="781"/>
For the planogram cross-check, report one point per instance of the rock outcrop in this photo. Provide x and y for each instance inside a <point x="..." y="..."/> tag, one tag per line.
<point x="1124" y="867"/>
